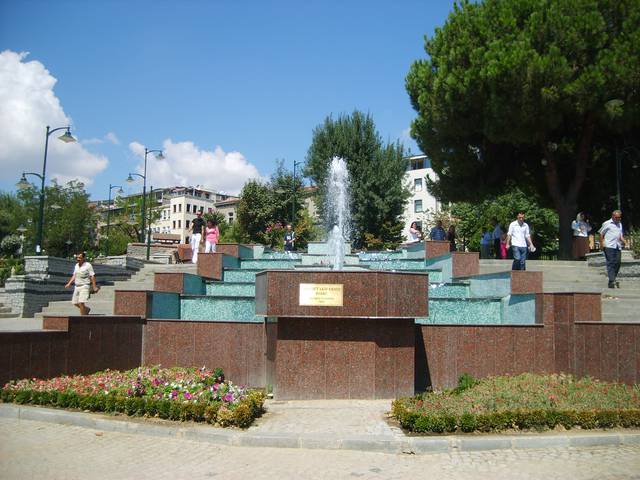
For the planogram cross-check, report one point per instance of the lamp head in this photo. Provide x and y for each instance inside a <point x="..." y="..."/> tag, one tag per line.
<point x="129" y="179"/>
<point x="23" y="184"/>
<point x="160" y="156"/>
<point x="66" y="137"/>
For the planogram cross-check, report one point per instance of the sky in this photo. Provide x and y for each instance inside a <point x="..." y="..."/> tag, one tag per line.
<point x="225" y="89"/>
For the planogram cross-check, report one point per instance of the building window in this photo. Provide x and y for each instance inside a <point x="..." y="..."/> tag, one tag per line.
<point x="417" y="185"/>
<point x="174" y="223"/>
<point x="179" y="223"/>
<point x="186" y="224"/>
<point x="174" y="208"/>
<point x="417" y="206"/>
<point x="179" y="207"/>
<point x="417" y="164"/>
<point x="188" y="207"/>
<point x="206" y="195"/>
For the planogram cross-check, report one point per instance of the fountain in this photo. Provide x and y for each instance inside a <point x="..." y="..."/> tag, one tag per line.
<point x="340" y="333"/>
<point x="337" y="211"/>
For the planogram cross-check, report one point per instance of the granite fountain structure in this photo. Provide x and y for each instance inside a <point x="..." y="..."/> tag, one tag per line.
<point x="386" y="325"/>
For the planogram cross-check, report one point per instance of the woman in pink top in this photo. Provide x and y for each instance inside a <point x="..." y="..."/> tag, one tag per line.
<point x="211" y="239"/>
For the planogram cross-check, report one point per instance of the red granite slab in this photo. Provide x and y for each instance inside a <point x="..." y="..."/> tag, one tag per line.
<point x="210" y="265"/>
<point x="587" y="307"/>
<point x="127" y="302"/>
<point x="465" y="264"/>
<point x="523" y="281"/>
<point x="436" y="248"/>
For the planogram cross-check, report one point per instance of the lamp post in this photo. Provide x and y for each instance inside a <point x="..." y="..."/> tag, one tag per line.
<point x="620" y="153"/>
<point x="111" y="187"/>
<point x="293" y="204"/>
<point x="149" y="222"/>
<point x="159" y="156"/>
<point x="65" y="137"/>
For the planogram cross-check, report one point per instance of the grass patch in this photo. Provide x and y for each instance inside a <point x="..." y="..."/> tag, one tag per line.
<point x="183" y="394"/>
<point x="523" y="402"/>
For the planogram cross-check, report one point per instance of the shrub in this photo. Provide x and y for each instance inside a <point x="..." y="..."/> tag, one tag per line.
<point x="176" y="394"/>
<point x="526" y="402"/>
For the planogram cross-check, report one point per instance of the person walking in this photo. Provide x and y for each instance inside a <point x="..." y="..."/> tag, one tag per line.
<point x="451" y="236"/>
<point x="612" y="239"/>
<point x="486" y="240"/>
<point x="196" y="237"/>
<point x="84" y="279"/>
<point x="581" y="229"/>
<point x="289" y="239"/>
<point x="212" y="234"/>
<point x="519" y="237"/>
<point x="497" y="236"/>
<point x="437" y="232"/>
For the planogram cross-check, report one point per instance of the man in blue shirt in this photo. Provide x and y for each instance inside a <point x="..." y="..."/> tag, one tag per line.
<point x="437" y="232"/>
<point x="612" y="241"/>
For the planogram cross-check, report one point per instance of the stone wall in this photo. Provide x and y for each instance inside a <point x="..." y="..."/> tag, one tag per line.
<point x="44" y="281"/>
<point x="629" y="267"/>
<point x="139" y="250"/>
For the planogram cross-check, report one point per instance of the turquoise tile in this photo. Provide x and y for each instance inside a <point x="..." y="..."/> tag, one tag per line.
<point x="269" y="264"/>
<point x="453" y="311"/>
<point x="226" y="309"/>
<point x="165" y="305"/>
<point x="519" y="309"/>
<point x="448" y="290"/>
<point x="491" y="285"/>
<point x="193" y="284"/>
<point x="231" y="289"/>
<point x="237" y="275"/>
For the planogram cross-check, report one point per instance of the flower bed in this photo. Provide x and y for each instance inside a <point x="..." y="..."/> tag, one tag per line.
<point x="193" y="394"/>
<point x="521" y="402"/>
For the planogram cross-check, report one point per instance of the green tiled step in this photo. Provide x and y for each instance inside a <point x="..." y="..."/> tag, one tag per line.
<point x="464" y="311"/>
<point x="243" y="289"/>
<point x="240" y="275"/>
<point x="219" y="309"/>
<point x="269" y="264"/>
<point x="448" y="290"/>
<point x="404" y="264"/>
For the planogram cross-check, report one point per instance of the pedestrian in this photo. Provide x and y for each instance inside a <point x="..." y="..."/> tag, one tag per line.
<point x="519" y="237"/>
<point x="581" y="229"/>
<point x="415" y="234"/>
<point x="289" y="239"/>
<point x="437" y="232"/>
<point x="451" y="236"/>
<point x="612" y="239"/>
<point x="212" y="233"/>
<point x="486" y="241"/>
<point x="197" y="226"/>
<point x="497" y="236"/>
<point x="84" y="279"/>
<point x="503" y="246"/>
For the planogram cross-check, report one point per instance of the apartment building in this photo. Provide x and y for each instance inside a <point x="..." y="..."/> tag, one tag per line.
<point x="421" y="205"/>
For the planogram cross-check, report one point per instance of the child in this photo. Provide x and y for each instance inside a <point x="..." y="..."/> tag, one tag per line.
<point x="503" y="246"/>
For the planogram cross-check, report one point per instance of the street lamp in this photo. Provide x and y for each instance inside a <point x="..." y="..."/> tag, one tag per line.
<point x="119" y="192"/>
<point x="159" y="156"/>
<point x="66" y="137"/>
<point x="293" y="205"/>
<point x="149" y="222"/>
<point x="620" y="153"/>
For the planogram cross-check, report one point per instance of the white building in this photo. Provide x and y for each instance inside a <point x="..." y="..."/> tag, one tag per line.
<point x="178" y="206"/>
<point x="421" y="206"/>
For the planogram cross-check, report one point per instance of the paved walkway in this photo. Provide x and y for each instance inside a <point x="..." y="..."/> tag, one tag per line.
<point x="35" y="450"/>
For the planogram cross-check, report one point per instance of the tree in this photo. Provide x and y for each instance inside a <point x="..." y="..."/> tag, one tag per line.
<point x="69" y="222"/>
<point x="530" y="91"/>
<point x="255" y="210"/>
<point x="376" y="171"/>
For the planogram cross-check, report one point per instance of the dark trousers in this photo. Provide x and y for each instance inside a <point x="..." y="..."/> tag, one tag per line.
<point x="496" y="248"/>
<point x="519" y="258"/>
<point x="612" y="257"/>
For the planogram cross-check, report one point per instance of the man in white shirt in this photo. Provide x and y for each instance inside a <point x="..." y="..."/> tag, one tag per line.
<point x="85" y="282"/>
<point x="612" y="241"/>
<point x="519" y="237"/>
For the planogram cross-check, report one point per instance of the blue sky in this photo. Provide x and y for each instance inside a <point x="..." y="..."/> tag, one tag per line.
<point x="224" y="87"/>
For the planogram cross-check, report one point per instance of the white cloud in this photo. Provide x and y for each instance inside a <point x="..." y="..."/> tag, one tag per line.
<point x="186" y="164"/>
<point x="27" y="104"/>
<point x="111" y="137"/>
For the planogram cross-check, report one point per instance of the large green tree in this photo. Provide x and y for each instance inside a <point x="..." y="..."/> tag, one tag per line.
<point x="541" y="92"/>
<point x="376" y="170"/>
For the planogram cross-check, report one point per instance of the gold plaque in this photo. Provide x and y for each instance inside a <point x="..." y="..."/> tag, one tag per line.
<point x="321" y="294"/>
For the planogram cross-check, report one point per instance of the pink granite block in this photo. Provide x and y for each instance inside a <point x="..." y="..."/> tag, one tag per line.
<point x="151" y="343"/>
<point x="587" y="307"/>
<point x="561" y="347"/>
<point x="609" y="352"/>
<point x="168" y="355"/>
<point x="40" y="351"/>
<point x="465" y="264"/>
<point x="523" y="281"/>
<point x="168" y="282"/>
<point x="593" y="349"/>
<point x="505" y="354"/>
<point x="337" y="358"/>
<point x="255" y="337"/>
<point x="210" y="265"/>
<point x="131" y="303"/>
<point x="627" y="371"/>
<point x="524" y="344"/>
<point x="563" y="304"/>
<point x="435" y="248"/>
<point x="544" y="350"/>
<point x="579" y="351"/>
<point x="486" y="349"/>
<point x="184" y="341"/>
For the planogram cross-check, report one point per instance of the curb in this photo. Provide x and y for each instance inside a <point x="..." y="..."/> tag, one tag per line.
<point x="365" y="443"/>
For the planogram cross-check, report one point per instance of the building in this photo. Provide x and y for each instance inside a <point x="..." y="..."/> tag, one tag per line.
<point x="421" y="206"/>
